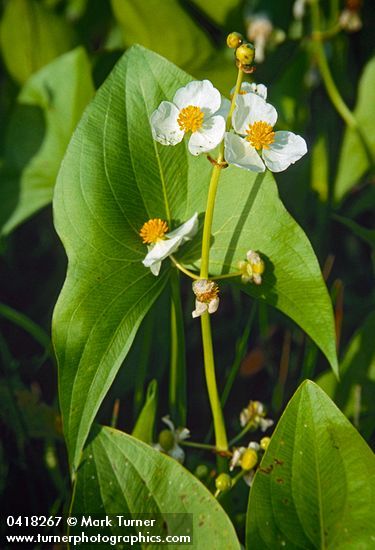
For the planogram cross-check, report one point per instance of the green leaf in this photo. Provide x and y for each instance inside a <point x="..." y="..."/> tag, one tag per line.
<point x="114" y="178"/>
<point x="353" y="161"/>
<point x="144" y="428"/>
<point x="220" y="12"/>
<point x="315" y="485"/>
<point x="61" y="90"/>
<point x="30" y="37"/>
<point x="121" y="475"/>
<point x="164" y="27"/>
<point x="354" y="394"/>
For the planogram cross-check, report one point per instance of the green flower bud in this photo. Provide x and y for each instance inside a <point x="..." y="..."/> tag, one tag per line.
<point x="234" y="39"/>
<point x="264" y="442"/>
<point x="245" y="54"/>
<point x="201" y="471"/>
<point x="249" y="459"/>
<point x="166" y="440"/>
<point x="223" y="482"/>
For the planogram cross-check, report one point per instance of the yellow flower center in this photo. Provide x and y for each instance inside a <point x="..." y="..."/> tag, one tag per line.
<point x="260" y="135"/>
<point x="190" y="118"/>
<point x="153" y="230"/>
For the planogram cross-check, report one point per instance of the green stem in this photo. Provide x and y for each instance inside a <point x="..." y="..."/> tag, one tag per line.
<point x="177" y="379"/>
<point x="226" y="276"/>
<point x="331" y="88"/>
<point x="183" y="269"/>
<point x="209" y="363"/>
<point x="28" y="325"/>
<point x="198" y="445"/>
<point x="239" y="436"/>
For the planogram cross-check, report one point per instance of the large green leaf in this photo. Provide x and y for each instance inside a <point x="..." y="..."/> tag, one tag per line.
<point x="315" y="485"/>
<point x="31" y="36"/>
<point x="114" y="178"/>
<point x="164" y="27"/>
<point x="354" y="394"/>
<point x="61" y="90"/>
<point x="353" y="161"/>
<point x="121" y="475"/>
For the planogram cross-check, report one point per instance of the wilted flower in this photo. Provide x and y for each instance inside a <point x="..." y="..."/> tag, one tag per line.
<point x="350" y="19"/>
<point x="169" y="440"/>
<point x="252" y="269"/>
<point x="207" y="298"/>
<point x="254" y="414"/>
<point x="254" y="120"/>
<point x="195" y="109"/>
<point x="259" y="30"/>
<point x="247" y="459"/>
<point x="251" y="87"/>
<point x="162" y="244"/>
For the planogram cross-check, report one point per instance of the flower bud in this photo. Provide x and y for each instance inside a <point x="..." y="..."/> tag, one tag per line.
<point x="264" y="442"/>
<point x="245" y="54"/>
<point x="201" y="471"/>
<point x="223" y="482"/>
<point x="166" y="440"/>
<point x="249" y="459"/>
<point x="234" y="39"/>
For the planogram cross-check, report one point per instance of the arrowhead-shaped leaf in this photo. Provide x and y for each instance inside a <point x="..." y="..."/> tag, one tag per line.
<point x="353" y="161"/>
<point x="114" y="178"/>
<point x="121" y="475"/>
<point x="61" y="90"/>
<point x="315" y="486"/>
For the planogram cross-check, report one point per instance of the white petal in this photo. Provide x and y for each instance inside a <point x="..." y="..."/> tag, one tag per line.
<point x="239" y="152"/>
<point x="254" y="445"/>
<point x="161" y="250"/>
<point x="248" y="477"/>
<point x="155" y="268"/>
<point x="252" y="108"/>
<point x="251" y="87"/>
<point x="182" y="434"/>
<point x="200" y="307"/>
<point x="284" y="151"/>
<point x="265" y="423"/>
<point x="224" y="108"/>
<point x="177" y="453"/>
<point x="164" y="125"/>
<point x="169" y="423"/>
<point x="199" y="93"/>
<point x="208" y="137"/>
<point x="213" y="305"/>
<point x="187" y="230"/>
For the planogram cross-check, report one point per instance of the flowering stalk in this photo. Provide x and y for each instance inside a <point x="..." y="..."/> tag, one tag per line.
<point x="331" y="88"/>
<point x="209" y="364"/>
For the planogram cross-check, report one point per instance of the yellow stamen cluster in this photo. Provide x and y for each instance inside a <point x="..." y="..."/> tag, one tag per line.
<point x="190" y="118"/>
<point x="153" y="230"/>
<point x="260" y="135"/>
<point x="205" y="290"/>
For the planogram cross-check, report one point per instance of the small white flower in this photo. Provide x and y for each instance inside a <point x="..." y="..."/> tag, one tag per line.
<point x="207" y="298"/>
<point x="299" y="8"/>
<point x="255" y="414"/>
<point x="252" y="87"/>
<point x="195" y="108"/>
<point x="162" y="244"/>
<point x="254" y="120"/>
<point x="259" y="30"/>
<point x="176" y="436"/>
<point x="350" y="20"/>
<point x="238" y="453"/>
<point x="252" y="269"/>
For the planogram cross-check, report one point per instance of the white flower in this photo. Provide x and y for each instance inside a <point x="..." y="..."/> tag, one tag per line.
<point x="252" y="87"/>
<point x="237" y="457"/>
<point x="350" y="20"/>
<point x="162" y="244"/>
<point x="254" y="119"/>
<point x="175" y="437"/>
<point x="207" y="298"/>
<point x="252" y="269"/>
<point x="259" y="30"/>
<point x="255" y="414"/>
<point x="299" y="8"/>
<point x="195" y="108"/>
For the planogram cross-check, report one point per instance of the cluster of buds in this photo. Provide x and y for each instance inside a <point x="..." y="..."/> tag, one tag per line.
<point x="207" y="298"/>
<point x="252" y="268"/>
<point x="244" y="52"/>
